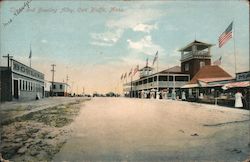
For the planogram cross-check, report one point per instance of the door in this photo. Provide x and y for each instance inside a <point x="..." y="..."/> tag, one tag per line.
<point x="16" y="89"/>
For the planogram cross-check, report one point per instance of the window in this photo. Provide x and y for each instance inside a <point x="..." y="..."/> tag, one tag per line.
<point x="54" y="86"/>
<point x="202" y="63"/>
<point x="20" y="84"/>
<point x="23" y="85"/>
<point x="181" y="78"/>
<point x="187" y="67"/>
<point x="31" y="86"/>
<point x="61" y="86"/>
<point x="26" y="85"/>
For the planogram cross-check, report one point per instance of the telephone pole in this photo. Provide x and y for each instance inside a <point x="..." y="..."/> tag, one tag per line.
<point x="67" y="79"/>
<point x="53" y="75"/>
<point x="8" y="58"/>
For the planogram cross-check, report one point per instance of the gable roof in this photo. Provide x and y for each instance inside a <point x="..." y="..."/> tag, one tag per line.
<point x="200" y="46"/>
<point x="174" y="69"/>
<point x="147" y="68"/>
<point x="210" y="71"/>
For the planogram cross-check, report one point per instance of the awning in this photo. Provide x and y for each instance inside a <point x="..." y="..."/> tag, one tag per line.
<point x="236" y="84"/>
<point x="190" y="86"/>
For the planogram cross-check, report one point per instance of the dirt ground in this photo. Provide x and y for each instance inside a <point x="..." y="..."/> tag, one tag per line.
<point x="122" y="129"/>
<point x="36" y="130"/>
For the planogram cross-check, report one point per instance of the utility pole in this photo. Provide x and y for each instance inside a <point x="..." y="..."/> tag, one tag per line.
<point x="8" y="59"/>
<point x="53" y="75"/>
<point x="83" y="91"/>
<point x="67" y="79"/>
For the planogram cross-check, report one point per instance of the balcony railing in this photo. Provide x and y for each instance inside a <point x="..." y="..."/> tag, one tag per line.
<point x="198" y="54"/>
<point x="162" y="84"/>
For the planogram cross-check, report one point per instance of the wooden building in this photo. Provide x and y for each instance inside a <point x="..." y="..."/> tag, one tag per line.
<point x="194" y="56"/>
<point x="20" y="82"/>
<point x="59" y="89"/>
<point x="168" y="80"/>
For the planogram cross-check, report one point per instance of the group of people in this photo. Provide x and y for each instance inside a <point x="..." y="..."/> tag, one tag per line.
<point x="153" y="94"/>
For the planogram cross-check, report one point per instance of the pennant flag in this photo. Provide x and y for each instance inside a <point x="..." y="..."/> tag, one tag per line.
<point x="217" y="62"/>
<point x="125" y="76"/>
<point x="130" y="72"/>
<point x="30" y="53"/>
<point x="156" y="57"/>
<point x="136" y="69"/>
<point x="226" y="35"/>
<point x="147" y="62"/>
<point x="122" y="77"/>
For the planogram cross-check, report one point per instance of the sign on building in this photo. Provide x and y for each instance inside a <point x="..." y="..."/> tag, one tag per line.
<point x="245" y="76"/>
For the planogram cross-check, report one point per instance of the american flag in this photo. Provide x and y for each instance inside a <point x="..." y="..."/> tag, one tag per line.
<point x="226" y="35"/>
<point x="136" y="69"/>
<point x="218" y="62"/>
<point x="156" y="57"/>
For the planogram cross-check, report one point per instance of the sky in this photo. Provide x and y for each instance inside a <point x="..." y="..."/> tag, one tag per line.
<point x="95" y="42"/>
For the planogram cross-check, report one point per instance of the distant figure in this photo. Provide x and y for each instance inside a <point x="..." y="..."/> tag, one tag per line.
<point x="183" y="96"/>
<point x="37" y="96"/>
<point x="173" y="95"/>
<point x="238" y="100"/>
<point x="152" y="95"/>
<point x="201" y="96"/>
<point x="146" y="94"/>
<point x="158" y="95"/>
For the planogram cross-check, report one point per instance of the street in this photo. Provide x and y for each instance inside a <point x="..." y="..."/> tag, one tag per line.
<point x="123" y="129"/>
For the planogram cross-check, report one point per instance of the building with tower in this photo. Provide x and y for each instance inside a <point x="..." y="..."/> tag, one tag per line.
<point x="194" y="56"/>
<point x="195" y="66"/>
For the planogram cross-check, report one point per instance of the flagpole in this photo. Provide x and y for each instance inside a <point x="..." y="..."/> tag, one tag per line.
<point x="131" y="87"/>
<point x="157" y="72"/>
<point x="30" y="55"/>
<point x="235" y="65"/>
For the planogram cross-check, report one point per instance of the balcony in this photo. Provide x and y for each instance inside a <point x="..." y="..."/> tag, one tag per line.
<point x="197" y="54"/>
<point x="162" y="84"/>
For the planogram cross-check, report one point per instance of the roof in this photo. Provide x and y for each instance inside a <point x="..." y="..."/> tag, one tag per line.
<point x="236" y="84"/>
<point x="59" y="83"/>
<point x="200" y="46"/>
<point x="207" y="80"/>
<point x="174" y="69"/>
<point x="147" y="67"/>
<point x="210" y="71"/>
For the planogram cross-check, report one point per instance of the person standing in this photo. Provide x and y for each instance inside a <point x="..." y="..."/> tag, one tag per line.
<point x="238" y="100"/>
<point x="173" y="95"/>
<point x="183" y="96"/>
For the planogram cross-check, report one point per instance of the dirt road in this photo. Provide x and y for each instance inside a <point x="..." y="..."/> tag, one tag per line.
<point x="121" y="129"/>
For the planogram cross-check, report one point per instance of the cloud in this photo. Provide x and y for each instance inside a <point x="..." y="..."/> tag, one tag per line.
<point x="134" y="17"/>
<point x="145" y="45"/>
<point x="108" y="38"/>
<point x="139" y="22"/>
<point x="44" y="41"/>
<point x="101" y="43"/>
<point x="144" y="27"/>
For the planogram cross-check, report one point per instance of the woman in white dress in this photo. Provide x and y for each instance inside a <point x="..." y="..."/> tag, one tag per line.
<point x="183" y="96"/>
<point x="238" y="100"/>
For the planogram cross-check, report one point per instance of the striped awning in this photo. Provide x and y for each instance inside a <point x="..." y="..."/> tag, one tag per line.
<point x="236" y="84"/>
